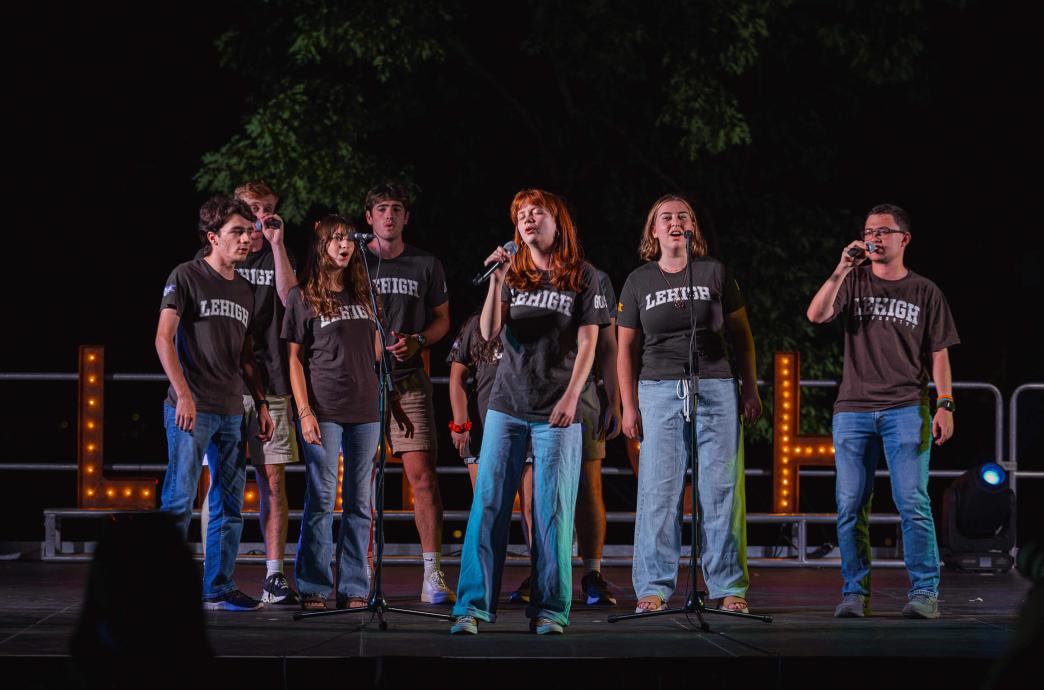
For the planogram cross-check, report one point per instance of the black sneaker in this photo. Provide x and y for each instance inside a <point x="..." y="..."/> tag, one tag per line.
<point x="521" y="593"/>
<point x="596" y="591"/>
<point x="231" y="601"/>
<point x="277" y="590"/>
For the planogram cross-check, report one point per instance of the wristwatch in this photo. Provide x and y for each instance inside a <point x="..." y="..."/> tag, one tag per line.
<point x="421" y="340"/>
<point x="264" y="403"/>
<point x="946" y="404"/>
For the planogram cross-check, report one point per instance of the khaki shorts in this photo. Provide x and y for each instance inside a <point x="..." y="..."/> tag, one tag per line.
<point x="282" y="447"/>
<point x="415" y="397"/>
<point x="589" y="410"/>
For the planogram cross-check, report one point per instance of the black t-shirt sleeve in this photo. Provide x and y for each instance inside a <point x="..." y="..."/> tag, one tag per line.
<point x="731" y="297"/>
<point x="628" y="312"/>
<point x="592" y="309"/>
<point x="294" y="318"/>
<point x="175" y="293"/>
<point x="460" y="352"/>
<point x="437" y="293"/>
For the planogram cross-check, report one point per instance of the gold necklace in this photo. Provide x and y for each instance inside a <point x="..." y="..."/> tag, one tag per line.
<point x="677" y="305"/>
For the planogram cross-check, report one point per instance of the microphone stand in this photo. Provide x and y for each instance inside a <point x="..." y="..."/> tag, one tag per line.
<point x="377" y="604"/>
<point x="694" y="603"/>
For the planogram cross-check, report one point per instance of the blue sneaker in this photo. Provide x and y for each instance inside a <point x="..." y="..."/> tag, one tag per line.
<point x="521" y="593"/>
<point x="596" y="591"/>
<point x="464" y="625"/>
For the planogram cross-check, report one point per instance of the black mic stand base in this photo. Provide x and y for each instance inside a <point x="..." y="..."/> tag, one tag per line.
<point x="693" y="606"/>
<point x="378" y="606"/>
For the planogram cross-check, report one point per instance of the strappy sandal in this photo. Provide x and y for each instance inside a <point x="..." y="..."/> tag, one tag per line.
<point x="313" y="602"/>
<point x="649" y="604"/>
<point x="737" y="604"/>
<point x="352" y="602"/>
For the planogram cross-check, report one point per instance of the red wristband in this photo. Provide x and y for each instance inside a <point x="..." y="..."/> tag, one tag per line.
<point x="460" y="428"/>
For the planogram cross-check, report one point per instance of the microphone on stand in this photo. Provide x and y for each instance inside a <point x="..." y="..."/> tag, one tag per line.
<point x="360" y="236"/>
<point x="511" y="248"/>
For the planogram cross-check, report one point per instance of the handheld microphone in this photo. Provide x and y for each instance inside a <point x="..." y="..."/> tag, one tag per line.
<point x="857" y="253"/>
<point x="360" y="236"/>
<point x="511" y="248"/>
<point x="273" y="223"/>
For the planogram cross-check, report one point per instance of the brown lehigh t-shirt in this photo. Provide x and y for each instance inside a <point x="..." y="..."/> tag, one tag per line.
<point x="214" y="321"/>
<point x="657" y="304"/>
<point x="410" y="286"/>
<point x="892" y="327"/>
<point x="266" y="321"/>
<point x="338" y="359"/>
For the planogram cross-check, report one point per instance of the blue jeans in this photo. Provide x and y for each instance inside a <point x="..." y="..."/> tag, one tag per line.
<point x="905" y="436"/>
<point x="312" y="567"/>
<point x="663" y="461"/>
<point x="556" y="476"/>
<point x="228" y="477"/>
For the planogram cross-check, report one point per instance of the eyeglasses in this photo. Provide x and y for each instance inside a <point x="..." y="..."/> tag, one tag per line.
<point x="339" y="237"/>
<point x="877" y="233"/>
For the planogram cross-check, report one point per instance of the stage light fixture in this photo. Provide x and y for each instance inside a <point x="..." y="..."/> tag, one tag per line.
<point x="978" y="521"/>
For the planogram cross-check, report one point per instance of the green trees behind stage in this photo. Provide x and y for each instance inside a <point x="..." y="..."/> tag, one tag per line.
<point x="756" y="110"/>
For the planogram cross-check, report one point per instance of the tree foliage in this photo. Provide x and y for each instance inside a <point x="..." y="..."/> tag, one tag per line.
<point x="743" y="105"/>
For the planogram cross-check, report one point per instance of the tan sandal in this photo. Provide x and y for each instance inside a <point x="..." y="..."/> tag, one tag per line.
<point x="313" y="602"/>
<point x="737" y="604"/>
<point x="352" y="603"/>
<point x="650" y="604"/>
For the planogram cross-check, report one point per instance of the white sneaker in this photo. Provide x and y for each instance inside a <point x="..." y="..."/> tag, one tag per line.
<point x="434" y="589"/>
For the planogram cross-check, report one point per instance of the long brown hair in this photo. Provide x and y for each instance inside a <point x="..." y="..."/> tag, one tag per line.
<point x="649" y="248"/>
<point x="567" y="258"/>
<point x="482" y="350"/>
<point x="320" y="269"/>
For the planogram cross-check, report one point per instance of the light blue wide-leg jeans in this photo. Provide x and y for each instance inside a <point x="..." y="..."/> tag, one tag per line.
<point x="663" y="462"/>
<point x="556" y="476"/>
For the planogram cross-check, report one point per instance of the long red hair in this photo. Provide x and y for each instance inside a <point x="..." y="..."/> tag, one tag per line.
<point x="567" y="258"/>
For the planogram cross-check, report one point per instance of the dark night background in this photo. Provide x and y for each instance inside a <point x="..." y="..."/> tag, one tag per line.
<point x="111" y="108"/>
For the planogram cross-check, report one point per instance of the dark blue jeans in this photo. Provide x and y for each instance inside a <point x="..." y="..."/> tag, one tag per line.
<point x="904" y="435"/>
<point x="228" y="477"/>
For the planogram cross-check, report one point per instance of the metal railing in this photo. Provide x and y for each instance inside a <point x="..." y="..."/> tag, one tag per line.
<point x="53" y="544"/>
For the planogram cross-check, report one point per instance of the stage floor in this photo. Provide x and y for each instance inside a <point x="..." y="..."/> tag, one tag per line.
<point x="41" y="602"/>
